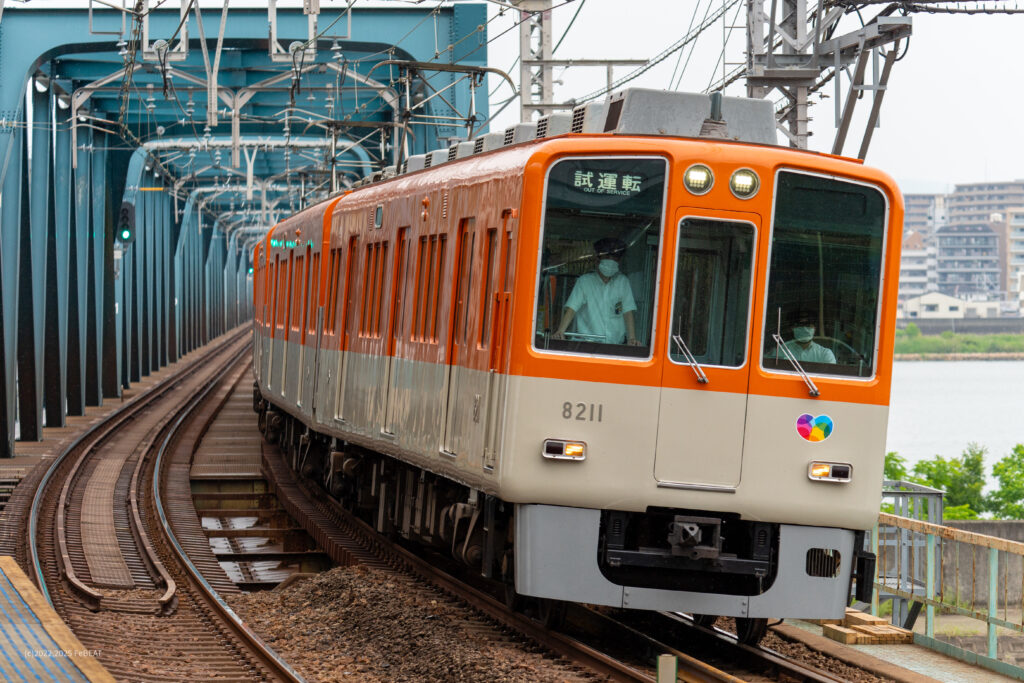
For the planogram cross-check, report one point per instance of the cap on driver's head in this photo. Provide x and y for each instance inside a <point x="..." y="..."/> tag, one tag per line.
<point x="610" y="246"/>
<point x="805" y="318"/>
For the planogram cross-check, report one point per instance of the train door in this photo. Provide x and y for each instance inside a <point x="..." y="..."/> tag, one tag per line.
<point x="704" y="381"/>
<point x="311" y="336"/>
<point x="346" y="326"/>
<point x="455" y="404"/>
<point x="494" y="332"/>
<point x="395" y="326"/>
<point x="269" y="320"/>
<point x="284" y="311"/>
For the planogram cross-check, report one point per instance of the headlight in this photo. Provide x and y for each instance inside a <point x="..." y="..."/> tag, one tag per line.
<point x="744" y="183"/>
<point x="698" y="179"/>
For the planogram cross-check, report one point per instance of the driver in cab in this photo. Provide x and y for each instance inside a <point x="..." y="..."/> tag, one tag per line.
<point x="803" y="346"/>
<point x="601" y="302"/>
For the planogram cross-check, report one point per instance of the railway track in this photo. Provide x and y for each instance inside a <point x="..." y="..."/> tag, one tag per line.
<point x="612" y="653"/>
<point x="159" y="614"/>
<point x="114" y="545"/>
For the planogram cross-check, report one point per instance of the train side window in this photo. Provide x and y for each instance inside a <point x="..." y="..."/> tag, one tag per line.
<point x="297" y="283"/>
<point x="488" y="289"/>
<point x="283" y="284"/>
<point x="373" y="289"/>
<point x="399" y="284"/>
<point x="378" y="311"/>
<point x="711" y="298"/>
<point x="463" y="278"/>
<point x="599" y="256"/>
<point x="436" y="286"/>
<point x="420" y="283"/>
<point x="824" y="275"/>
<point x="369" y="275"/>
<point x="333" y="285"/>
<point x="314" y="293"/>
<point x="428" y="287"/>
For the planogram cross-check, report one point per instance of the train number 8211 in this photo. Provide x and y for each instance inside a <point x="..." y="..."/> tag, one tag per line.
<point x="584" y="412"/>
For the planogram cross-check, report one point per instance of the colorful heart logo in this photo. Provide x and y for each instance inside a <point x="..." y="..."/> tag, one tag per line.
<point x="814" y="428"/>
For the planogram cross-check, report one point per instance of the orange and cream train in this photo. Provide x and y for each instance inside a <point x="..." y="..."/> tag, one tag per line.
<point x="643" y="363"/>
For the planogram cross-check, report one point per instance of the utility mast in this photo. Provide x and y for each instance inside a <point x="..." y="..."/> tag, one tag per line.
<point x="536" y="85"/>
<point x="795" y="51"/>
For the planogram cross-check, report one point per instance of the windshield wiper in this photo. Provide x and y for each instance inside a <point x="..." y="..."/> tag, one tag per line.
<point x="792" y="359"/>
<point x="697" y="369"/>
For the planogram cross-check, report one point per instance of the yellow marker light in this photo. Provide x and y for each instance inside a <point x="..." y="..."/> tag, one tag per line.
<point x="698" y="179"/>
<point x="820" y="470"/>
<point x="839" y="472"/>
<point x="574" y="450"/>
<point x="744" y="183"/>
<point x="557" y="449"/>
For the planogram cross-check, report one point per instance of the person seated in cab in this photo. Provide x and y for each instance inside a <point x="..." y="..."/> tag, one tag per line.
<point x="601" y="302"/>
<point x="803" y="346"/>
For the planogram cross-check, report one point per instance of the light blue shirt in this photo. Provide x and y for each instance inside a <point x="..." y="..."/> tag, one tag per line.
<point x="600" y="305"/>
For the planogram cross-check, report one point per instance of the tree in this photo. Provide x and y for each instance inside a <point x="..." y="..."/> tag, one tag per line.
<point x="895" y="467"/>
<point x="1007" y="501"/>
<point x="958" y="512"/>
<point x="962" y="478"/>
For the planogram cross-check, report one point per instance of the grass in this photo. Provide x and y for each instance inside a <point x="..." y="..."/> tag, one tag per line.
<point x="911" y="341"/>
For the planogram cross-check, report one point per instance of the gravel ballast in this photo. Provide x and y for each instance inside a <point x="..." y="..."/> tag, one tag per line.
<point x="354" y="623"/>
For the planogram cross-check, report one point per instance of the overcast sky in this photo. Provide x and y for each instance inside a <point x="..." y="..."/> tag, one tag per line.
<point x="953" y="112"/>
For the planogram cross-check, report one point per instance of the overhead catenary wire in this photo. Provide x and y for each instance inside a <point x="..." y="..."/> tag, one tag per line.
<point x="665" y="54"/>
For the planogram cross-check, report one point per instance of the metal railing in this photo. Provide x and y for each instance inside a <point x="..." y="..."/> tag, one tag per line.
<point x="950" y="574"/>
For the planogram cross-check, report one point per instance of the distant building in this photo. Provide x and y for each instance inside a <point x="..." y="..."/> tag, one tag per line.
<point x="967" y="261"/>
<point x="968" y="244"/>
<point x="924" y="213"/>
<point x="1014" y="259"/>
<point x="937" y="305"/>
<point x="973" y="204"/>
<point x="918" y="263"/>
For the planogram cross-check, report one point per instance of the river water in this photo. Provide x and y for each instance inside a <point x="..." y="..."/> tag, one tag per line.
<point x="938" y="407"/>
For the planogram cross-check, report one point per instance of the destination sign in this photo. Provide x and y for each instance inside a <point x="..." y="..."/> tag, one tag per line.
<point x="607" y="182"/>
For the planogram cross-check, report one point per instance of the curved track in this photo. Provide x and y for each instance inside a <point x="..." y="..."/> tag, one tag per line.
<point x="104" y="548"/>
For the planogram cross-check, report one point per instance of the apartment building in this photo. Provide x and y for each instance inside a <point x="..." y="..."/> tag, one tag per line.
<point x="924" y="213"/>
<point x="973" y="204"/>
<point x="918" y="266"/>
<point x="968" y="261"/>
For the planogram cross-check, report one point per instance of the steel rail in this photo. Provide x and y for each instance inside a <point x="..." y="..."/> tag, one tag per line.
<point x="792" y="670"/>
<point x="270" y="657"/>
<point x="690" y="667"/>
<point x="370" y="543"/>
<point x="92" y="435"/>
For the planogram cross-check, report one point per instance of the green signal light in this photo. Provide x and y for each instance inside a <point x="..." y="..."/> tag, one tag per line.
<point x="126" y="235"/>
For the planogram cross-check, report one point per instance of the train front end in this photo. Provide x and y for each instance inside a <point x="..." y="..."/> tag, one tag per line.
<point x="697" y="414"/>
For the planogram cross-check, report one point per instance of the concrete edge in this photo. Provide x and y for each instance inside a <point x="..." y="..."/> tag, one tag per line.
<point x="54" y="625"/>
<point x="849" y="655"/>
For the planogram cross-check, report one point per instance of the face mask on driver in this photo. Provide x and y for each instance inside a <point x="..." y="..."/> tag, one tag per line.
<point x="608" y="267"/>
<point x="803" y="334"/>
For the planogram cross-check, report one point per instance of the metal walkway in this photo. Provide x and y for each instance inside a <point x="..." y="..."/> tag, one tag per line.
<point x="35" y="644"/>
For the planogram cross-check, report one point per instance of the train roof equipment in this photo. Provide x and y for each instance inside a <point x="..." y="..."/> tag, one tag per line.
<point x="633" y="111"/>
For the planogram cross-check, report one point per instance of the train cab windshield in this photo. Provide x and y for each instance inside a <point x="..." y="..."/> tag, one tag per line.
<point x="711" y="295"/>
<point x="824" y="276"/>
<point x="599" y="256"/>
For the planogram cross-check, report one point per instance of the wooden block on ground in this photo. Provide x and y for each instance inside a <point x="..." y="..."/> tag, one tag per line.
<point x="882" y="634"/>
<point x="841" y="634"/>
<point x="822" y="622"/>
<point x="855" y="618"/>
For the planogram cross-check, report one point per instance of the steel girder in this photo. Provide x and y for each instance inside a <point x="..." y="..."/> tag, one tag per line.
<point x="83" y="316"/>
